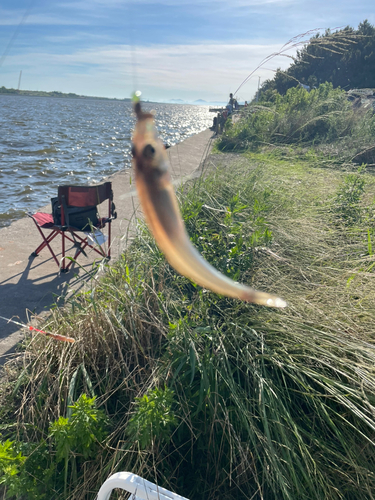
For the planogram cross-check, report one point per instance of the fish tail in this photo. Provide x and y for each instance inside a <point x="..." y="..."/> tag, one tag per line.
<point x="262" y="298"/>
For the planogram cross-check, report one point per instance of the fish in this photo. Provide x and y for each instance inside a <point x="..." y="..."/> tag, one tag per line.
<point x="161" y="211"/>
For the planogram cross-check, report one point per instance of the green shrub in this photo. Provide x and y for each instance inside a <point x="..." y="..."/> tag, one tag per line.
<point x="153" y="418"/>
<point x="346" y="205"/>
<point x="78" y="437"/>
<point x="11" y="460"/>
<point x="34" y="470"/>
<point x="321" y="115"/>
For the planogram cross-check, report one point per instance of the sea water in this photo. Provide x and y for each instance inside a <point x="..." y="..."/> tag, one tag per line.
<point x="46" y="142"/>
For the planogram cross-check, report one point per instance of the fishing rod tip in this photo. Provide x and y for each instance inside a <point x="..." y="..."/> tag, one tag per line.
<point x="136" y="99"/>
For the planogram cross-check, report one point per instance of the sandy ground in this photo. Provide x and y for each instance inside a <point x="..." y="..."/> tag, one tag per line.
<point x="30" y="286"/>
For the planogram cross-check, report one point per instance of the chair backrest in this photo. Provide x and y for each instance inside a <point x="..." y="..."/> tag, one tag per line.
<point x="84" y="196"/>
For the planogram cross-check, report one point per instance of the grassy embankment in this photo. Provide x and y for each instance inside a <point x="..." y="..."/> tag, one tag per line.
<point x="211" y="397"/>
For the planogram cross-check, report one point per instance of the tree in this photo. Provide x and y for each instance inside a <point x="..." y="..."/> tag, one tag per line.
<point x="346" y="58"/>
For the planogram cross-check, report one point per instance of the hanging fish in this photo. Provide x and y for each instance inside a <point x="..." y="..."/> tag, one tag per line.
<point x="160" y="207"/>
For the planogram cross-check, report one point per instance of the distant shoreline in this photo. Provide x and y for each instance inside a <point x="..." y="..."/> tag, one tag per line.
<point x="55" y="93"/>
<point x="70" y="95"/>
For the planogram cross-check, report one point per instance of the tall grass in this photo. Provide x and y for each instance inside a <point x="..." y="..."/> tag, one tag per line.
<point x="322" y="116"/>
<point x="209" y="396"/>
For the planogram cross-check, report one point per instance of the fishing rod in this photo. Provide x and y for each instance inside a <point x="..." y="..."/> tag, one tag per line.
<point x="55" y="336"/>
<point x="16" y="32"/>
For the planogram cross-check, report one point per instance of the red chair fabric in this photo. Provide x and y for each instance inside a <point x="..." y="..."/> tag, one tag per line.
<point x="75" y="197"/>
<point x="44" y="220"/>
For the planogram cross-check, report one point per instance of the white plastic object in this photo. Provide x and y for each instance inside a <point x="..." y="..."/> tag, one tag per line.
<point x="139" y="487"/>
<point x="97" y="238"/>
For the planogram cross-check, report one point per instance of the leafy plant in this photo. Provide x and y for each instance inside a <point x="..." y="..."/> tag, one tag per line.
<point x="346" y="205"/>
<point x="153" y="419"/>
<point x="78" y="435"/>
<point x="11" y="461"/>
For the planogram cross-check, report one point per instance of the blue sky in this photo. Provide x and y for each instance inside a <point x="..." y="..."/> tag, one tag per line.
<point x="170" y="49"/>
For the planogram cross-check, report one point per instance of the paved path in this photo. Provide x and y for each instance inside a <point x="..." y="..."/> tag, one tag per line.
<point x="29" y="286"/>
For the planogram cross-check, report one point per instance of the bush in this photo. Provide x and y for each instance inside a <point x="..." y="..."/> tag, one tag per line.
<point x="319" y="116"/>
<point x="346" y="205"/>
<point x="35" y="471"/>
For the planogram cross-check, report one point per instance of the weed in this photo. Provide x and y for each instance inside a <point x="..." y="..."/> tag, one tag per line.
<point x="80" y="434"/>
<point x="32" y="470"/>
<point x="10" y="463"/>
<point x="153" y="418"/>
<point x="346" y="205"/>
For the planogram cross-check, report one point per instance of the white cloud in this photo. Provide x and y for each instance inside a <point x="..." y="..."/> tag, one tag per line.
<point x="10" y="17"/>
<point x="207" y="71"/>
<point x="233" y="4"/>
<point x="15" y="17"/>
<point x="84" y="11"/>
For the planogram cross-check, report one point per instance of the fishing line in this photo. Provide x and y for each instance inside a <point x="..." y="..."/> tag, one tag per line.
<point x="293" y="43"/>
<point x="55" y="336"/>
<point x="17" y="30"/>
<point x="132" y="48"/>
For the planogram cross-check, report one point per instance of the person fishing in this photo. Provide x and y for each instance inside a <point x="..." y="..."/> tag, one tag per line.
<point x="230" y="105"/>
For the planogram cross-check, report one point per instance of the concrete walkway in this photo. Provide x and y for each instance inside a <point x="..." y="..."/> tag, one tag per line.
<point x="29" y="286"/>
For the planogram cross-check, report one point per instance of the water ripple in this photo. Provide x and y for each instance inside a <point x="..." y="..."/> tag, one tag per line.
<point x="46" y="142"/>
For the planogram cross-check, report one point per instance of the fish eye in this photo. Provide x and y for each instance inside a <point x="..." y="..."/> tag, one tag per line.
<point x="148" y="151"/>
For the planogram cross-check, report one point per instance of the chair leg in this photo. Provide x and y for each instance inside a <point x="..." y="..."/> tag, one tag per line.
<point x="84" y="243"/>
<point x="77" y="254"/>
<point x="109" y="241"/>
<point x="46" y="243"/>
<point x="63" y="268"/>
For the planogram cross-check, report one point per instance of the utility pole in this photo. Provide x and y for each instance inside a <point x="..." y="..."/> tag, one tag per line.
<point x="257" y="99"/>
<point x="19" y="80"/>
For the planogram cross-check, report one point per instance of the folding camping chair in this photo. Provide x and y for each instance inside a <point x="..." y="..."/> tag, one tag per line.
<point x="140" y="488"/>
<point x="75" y="210"/>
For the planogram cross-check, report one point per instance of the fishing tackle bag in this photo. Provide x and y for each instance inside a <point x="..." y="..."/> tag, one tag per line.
<point x="81" y="218"/>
